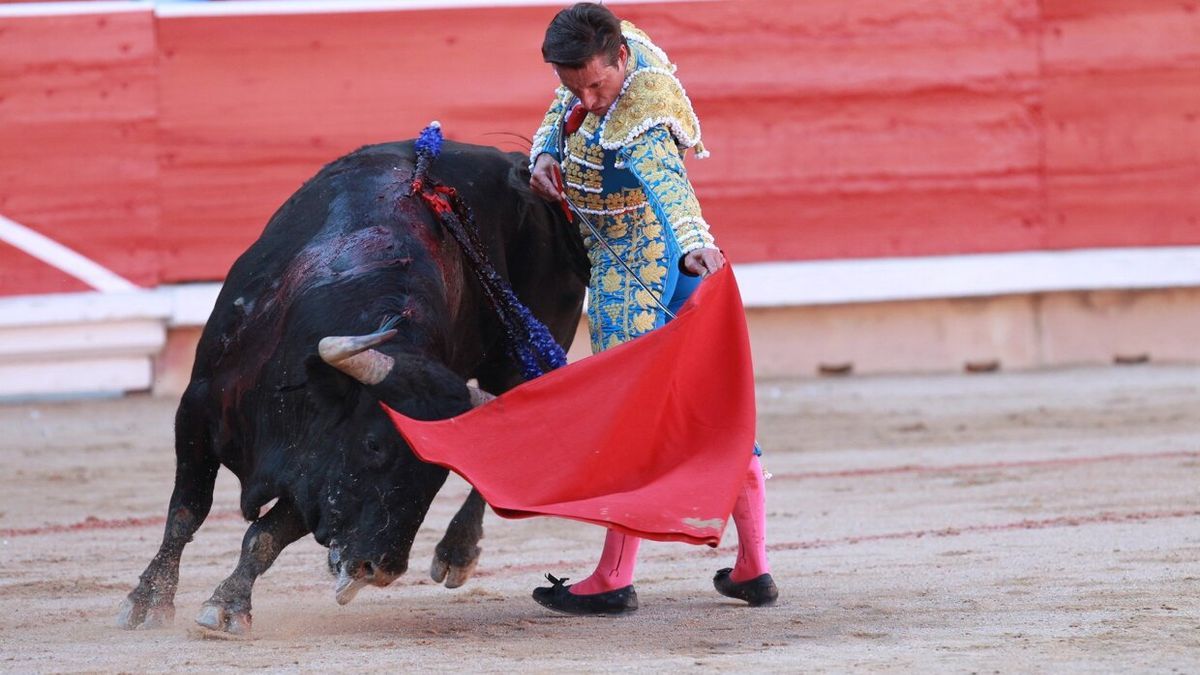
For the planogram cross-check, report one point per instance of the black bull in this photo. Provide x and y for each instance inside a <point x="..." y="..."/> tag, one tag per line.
<point x="349" y="249"/>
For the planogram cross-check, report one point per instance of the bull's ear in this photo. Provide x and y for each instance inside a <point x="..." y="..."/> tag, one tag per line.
<point x="326" y="385"/>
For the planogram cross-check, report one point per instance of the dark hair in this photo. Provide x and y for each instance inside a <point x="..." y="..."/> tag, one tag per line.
<point x="581" y="32"/>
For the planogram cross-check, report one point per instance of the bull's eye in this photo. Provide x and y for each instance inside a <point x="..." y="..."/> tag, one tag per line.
<point x="376" y="455"/>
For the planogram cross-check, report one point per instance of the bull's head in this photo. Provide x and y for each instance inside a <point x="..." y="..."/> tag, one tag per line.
<point x="372" y="508"/>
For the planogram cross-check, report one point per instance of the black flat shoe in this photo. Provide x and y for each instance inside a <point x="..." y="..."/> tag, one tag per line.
<point x="758" y="592"/>
<point x="560" y="599"/>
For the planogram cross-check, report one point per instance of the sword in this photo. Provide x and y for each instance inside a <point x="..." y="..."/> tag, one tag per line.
<point x="570" y="208"/>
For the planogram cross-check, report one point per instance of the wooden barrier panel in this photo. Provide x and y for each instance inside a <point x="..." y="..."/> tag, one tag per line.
<point x="1122" y="122"/>
<point x="865" y="128"/>
<point x="77" y="144"/>
<point x="837" y="129"/>
<point x="252" y="106"/>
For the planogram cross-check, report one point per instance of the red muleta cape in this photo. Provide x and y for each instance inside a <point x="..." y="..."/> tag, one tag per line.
<point x="650" y="438"/>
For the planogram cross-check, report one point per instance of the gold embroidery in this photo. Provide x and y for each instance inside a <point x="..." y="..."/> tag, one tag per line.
<point x="643" y="321"/>
<point x="590" y="124"/>
<point x="550" y="124"/>
<point x="652" y="96"/>
<point x="651" y="121"/>
<point x="594" y="154"/>
<point x="656" y="161"/>
<point x="652" y="274"/>
<point x="586" y="200"/>
<point x="611" y="281"/>
<point x="654" y="250"/>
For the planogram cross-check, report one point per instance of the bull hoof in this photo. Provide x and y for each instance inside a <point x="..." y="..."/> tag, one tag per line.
<point x="161" y="616"/>
<point x="139" y="616"/>
<point x="458" y="576"/>
<point x="217" y="618"/>
<point x="438" y="570"/>
<point x="452" y="570"/>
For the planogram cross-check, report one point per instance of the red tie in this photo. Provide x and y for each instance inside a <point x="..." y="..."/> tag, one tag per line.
<point x="575" y="118"/>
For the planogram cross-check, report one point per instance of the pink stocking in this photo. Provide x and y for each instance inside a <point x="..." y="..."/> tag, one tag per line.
<point x="750" y="518"/>
<point x="615" y="569"/>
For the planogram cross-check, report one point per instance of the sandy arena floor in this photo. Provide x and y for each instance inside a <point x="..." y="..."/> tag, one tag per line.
<point x="1009" y="522"/>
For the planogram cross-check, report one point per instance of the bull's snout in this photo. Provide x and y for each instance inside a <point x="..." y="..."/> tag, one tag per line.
<point x="352" y="575"/>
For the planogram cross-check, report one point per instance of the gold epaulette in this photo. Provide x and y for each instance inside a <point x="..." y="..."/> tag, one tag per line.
<point x="652" y="96"/>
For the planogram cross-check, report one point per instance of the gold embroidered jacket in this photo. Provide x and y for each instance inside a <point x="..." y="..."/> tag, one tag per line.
<point x="625" y="171"/>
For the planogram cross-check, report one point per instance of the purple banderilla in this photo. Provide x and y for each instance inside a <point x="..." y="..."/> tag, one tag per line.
<point x="527" y="340"/>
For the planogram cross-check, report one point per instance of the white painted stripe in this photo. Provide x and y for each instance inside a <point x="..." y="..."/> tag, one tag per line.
<point x="191" y="304"/>
<point x="59" y="379"/>
<point x="51" y="309"/>
<point x="55" y="254"/>
<point x="251" y="7"/>
<point x="134" y="337"/>
<point x="826" y="282"/>
<point x="173" y="305"/>
<point x="35" y="9"/>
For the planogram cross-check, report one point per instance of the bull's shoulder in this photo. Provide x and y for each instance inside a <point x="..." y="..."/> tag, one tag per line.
<point x="377" y="156"/>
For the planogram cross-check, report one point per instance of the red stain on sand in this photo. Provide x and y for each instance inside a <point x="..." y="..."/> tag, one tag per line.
<point x="983" y="466"/>
<point x="1045" y="523"/>
<point x="93" y="523"/>
<point x="1106" y="518"/>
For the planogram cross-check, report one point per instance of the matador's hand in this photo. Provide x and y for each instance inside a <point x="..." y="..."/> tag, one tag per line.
<point x="703" y="261"/>
<point x="545" y="179"/>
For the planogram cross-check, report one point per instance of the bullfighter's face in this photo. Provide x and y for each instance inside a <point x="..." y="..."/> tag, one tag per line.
<point x="598" y="83"/>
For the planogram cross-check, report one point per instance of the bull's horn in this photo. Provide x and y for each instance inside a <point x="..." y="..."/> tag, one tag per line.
<point x="479" y="396"/>
<point x="353" y="355"/>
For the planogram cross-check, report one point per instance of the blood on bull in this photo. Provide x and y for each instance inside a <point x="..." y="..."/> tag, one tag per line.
<point x="354" y="247"/>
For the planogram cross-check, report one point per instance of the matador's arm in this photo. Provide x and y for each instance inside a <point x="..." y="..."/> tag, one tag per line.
<point x="547" y="138"/>
<point x="655" y="159"/>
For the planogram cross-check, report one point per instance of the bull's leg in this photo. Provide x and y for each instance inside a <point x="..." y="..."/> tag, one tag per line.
<point x="457" y="553"/>
<point x="152" y="603"/>
<point x="228" y="610"/>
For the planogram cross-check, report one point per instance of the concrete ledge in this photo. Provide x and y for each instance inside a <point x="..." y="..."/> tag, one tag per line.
<point x="84" y="308"/>
<point x="81" y="343"/>
<point x="1014" y="332"/>
<point x="191" y="304"/>
<point x="75" y="377"/>
<point x="832" y="282"/>
<point x="118" y="337"/>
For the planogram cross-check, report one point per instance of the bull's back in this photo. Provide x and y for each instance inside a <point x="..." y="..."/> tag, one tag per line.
<point x="350" y="234"/>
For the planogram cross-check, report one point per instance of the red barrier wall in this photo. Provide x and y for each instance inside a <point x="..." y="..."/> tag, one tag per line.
<point x="297" y="91"/>
<point x="78" y="144"/>
<point x="1122" y="128"/>
<point x="839" y="128"/>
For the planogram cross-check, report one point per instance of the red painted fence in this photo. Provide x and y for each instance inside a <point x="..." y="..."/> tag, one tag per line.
<point x="159" y="146"/>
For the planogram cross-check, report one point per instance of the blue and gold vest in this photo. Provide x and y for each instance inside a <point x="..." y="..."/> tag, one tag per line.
<point x="625" y="171"/>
